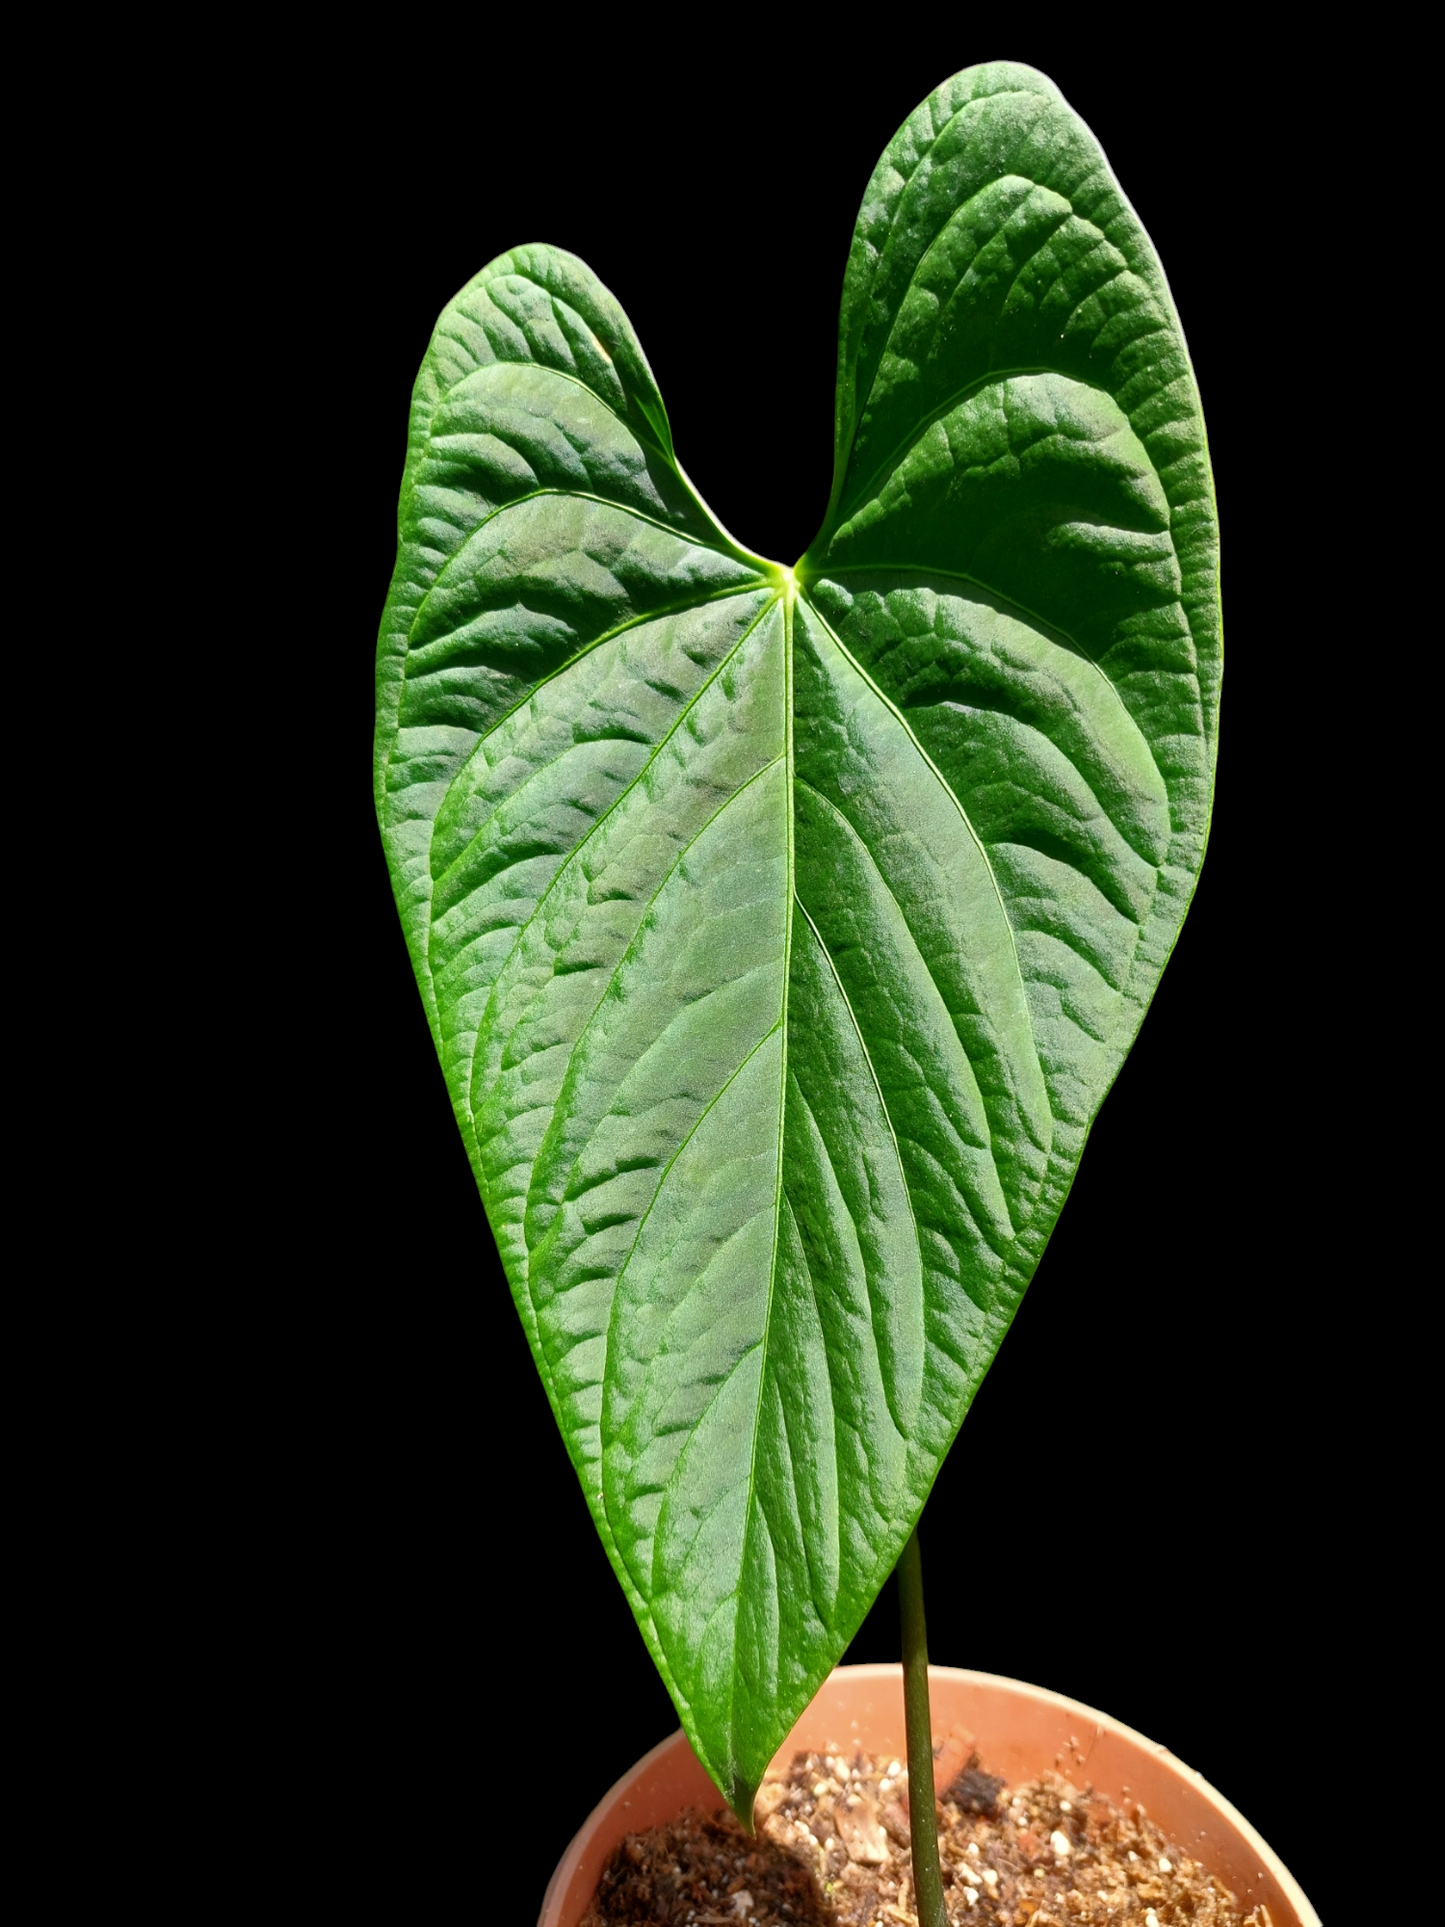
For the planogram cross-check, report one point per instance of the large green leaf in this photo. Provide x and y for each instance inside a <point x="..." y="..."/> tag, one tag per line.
<point x="781" y="931"/>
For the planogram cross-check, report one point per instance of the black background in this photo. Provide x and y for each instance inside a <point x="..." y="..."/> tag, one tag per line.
<point x="1138" y="1509"/>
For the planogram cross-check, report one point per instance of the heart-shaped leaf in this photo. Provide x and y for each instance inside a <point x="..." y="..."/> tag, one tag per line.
<point x="781" y="931"/>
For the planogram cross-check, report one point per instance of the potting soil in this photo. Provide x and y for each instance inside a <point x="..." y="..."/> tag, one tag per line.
<point x="832" y="1850"/>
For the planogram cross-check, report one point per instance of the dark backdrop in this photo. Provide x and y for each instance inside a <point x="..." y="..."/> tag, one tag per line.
<point x="444" y="1667"/>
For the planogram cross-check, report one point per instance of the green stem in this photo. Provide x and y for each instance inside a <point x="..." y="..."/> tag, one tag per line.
<point x="922" y="1820"/>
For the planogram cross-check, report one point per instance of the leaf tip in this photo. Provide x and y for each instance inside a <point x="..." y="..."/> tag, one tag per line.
<point x="741" y="1799"/>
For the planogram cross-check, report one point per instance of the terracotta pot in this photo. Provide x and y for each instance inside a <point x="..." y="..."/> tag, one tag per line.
<point x="1021" y="1731"/>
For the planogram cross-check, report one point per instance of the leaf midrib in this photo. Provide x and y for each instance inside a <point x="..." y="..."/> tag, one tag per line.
<point x="754" y="1510"/>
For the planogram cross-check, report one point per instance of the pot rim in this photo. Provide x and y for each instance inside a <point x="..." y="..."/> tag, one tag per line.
<point x="1227" y="1813"/>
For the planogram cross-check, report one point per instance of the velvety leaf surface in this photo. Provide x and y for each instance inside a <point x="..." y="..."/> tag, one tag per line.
<point x="781" y="931"/>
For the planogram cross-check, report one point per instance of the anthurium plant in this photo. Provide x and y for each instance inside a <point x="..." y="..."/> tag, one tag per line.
<point x="781" y="928"/>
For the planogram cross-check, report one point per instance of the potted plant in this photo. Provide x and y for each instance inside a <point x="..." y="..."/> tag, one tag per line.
<point x="781" y="929"/>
